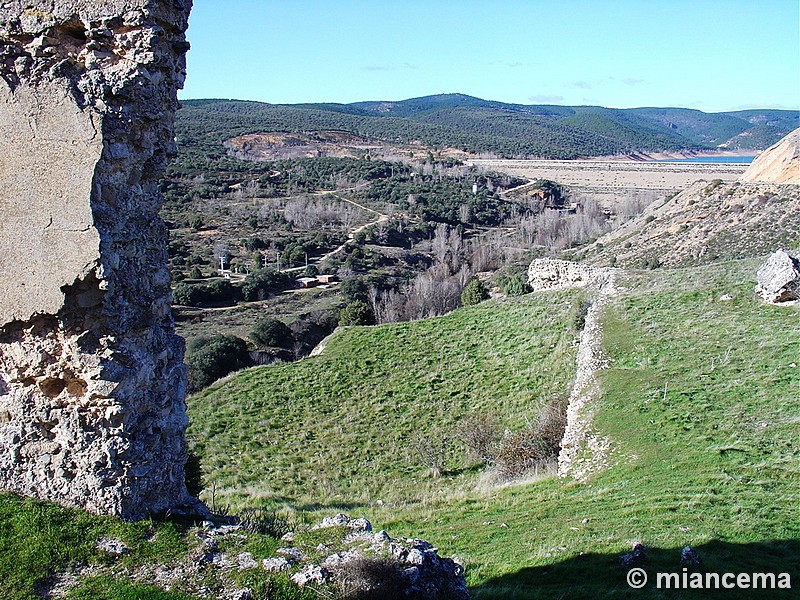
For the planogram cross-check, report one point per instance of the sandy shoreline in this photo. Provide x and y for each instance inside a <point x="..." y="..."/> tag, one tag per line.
<point x="615" y="175"/>
<point x="655" y="156"/>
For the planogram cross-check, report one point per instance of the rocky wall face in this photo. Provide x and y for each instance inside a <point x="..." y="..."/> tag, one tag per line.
<point x="92" y="382"/>
<point x="553" y="274"/>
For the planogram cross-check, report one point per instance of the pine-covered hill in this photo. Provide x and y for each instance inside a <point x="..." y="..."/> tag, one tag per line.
<point x="484" y="126"/>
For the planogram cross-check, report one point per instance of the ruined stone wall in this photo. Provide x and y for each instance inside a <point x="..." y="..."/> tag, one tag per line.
<point x="92" y="385"/>
<point x="553" y="274"/>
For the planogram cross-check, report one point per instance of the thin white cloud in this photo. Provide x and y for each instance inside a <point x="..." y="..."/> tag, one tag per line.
<point x="584" y="85"/>
<point x="766" y="105"/>
<point x="632" y="81"/>
<point x="546" y="99"/>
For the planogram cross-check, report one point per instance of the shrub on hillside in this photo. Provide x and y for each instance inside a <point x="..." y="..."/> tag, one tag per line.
<point x="370" y="578"/>
<point x="272" y="333"/>
<point x="195" y="343"/>
<point x="310" y="329"/>
<point x="480" y="433"/>
<point x="354" y="289"/>
<point x="356" y="313"/>
<point x="218" y="356"/>
<point x="432" y="451"/>
<point x="712" y="186"/>
<point x="651" y="262"/>
<point x="474" y="293"/>
<point x="253" y="243"/>
<point x="219" y="291"/>
<point x="514" y="285"/>
<point x="185" y="294"/>
<point x="519" y="453"/>
<point x="261" y="284"/>
<point x="535" y="446"/>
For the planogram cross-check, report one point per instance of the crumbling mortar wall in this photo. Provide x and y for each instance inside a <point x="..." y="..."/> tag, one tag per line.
<point x="92" y="385"/>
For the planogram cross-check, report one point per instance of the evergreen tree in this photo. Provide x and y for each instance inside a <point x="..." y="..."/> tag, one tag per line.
<point x="356" y="313"/>
<point x="474" y="293"/>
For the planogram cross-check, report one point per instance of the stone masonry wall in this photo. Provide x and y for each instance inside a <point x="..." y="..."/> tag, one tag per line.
<point x="92" y="382"/>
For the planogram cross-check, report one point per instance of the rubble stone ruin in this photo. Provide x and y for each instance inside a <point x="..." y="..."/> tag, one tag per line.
<point x="92" y="382"/>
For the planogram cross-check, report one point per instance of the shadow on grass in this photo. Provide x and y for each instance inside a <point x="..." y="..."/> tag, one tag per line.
<point x="598" y="576"/>
<point x="476" y="469"/>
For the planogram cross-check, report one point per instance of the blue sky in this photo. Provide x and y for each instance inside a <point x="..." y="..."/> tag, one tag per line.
<point x="713" y="55"/>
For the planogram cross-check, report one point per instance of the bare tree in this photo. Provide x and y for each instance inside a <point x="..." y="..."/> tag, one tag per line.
<point x="464" y="213"/>
<point x="222" y="254"/>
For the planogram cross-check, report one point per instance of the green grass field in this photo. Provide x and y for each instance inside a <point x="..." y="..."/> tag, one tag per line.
<point x="700" y="401"/>
<point x="347" y="427"/>
<point x="38" y="540"/>
<point x="713" y="463"/>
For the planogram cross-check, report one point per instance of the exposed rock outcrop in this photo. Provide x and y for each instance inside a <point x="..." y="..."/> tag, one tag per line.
<point x="779" y="163"/>
<point x="778" y="279"/>
<point x="552" y="274"/>
<point x="92" y="385"/>
<point x="584" y="450"/>
<point x="378" y="566"/>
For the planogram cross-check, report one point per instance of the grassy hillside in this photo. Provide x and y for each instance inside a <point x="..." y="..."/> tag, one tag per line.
<point x="51" y="552"/>
<point x="38" y="540"/>
<point x="700" y="403"/>
<point x="354" y="424"/>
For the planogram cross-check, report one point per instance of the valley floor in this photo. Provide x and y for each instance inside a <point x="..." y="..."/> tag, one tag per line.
<point x="617" y="176"/>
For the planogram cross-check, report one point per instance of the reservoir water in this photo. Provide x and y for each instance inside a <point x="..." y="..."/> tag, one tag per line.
<point x="711" y="159"/>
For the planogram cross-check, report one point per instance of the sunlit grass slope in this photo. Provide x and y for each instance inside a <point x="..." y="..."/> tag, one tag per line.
<point x="47" y="551"/>
<point x="38" y="540"/>
<point x="701" y="403"/>
<point x="354" y="425"/>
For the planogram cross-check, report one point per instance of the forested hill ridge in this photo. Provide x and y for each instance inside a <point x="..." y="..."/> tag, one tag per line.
<point x="481" y="126"/>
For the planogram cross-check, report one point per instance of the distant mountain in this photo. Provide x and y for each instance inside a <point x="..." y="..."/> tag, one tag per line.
<point x="485" y="126"/>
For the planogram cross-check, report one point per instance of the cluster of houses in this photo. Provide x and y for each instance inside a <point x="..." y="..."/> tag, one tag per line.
<point x="319" y="280"/>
